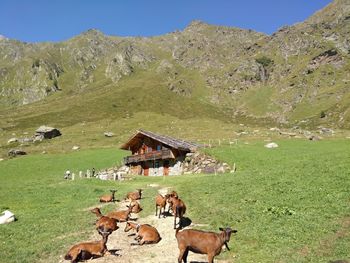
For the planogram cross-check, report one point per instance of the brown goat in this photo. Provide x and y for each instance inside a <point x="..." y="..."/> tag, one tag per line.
<point x="104" y="224"/>
<point x="145" y="234"/>
<point x="108" y="198"/>
<point x="136" y="208"/>
<point x="121" y="215"/>
<point x="179" y="209"/>
<point x="174" y="194"/>
<point x="87" y="250"/>
<point x="134" y="195"/>
<point x="202" y="242"/>
<point x="161" y="203"/>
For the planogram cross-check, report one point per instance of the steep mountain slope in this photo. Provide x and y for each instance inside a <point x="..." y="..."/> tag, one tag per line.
<point x="299" y="75"/>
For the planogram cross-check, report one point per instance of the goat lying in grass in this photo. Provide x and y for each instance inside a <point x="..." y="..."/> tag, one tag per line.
<point x="161" y="202"/>
<point x="202" y="242"/>
<point x="178" y="207"/>
<point x="132" y="196"/>
<point x="87" y="250"/>
<point x="108" y="198"/>
<point x="145" y="234"/>
<point x="136" y="208"/>
<point x="104" y="225"/>
<point x="121" y="215"/>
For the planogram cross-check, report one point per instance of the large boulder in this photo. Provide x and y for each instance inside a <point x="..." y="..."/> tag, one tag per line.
<point x="15" y="152"/>
<point x="47" y="132"/>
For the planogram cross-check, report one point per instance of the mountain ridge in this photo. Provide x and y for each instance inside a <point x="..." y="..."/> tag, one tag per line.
<point x="298" y="74"/>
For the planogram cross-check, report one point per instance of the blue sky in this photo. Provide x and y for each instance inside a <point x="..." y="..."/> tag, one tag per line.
<point x="58" y="20"/>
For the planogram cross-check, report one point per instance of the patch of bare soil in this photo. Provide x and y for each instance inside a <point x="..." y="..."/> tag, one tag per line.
<point x="166" y="251"/>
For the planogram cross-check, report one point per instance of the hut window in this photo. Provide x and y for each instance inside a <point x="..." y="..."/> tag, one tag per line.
<point x="159" y="147"/>
<point x="156" y="164"/>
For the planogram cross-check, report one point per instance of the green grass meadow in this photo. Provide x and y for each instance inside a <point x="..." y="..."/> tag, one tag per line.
<point x="290" y="204"/>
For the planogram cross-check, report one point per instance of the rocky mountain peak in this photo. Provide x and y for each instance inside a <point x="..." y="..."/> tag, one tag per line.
<point x="332" y="13"/>
<point x="196" y="25"/>
<point x="93" y="32"/>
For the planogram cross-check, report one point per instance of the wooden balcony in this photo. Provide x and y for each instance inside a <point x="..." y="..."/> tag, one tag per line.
<point x="155" y="155"/>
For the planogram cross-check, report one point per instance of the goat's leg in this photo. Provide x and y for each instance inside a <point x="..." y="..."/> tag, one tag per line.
<point x="183" y="255"/>
<point x="211" y="258"/>
<point x="174" y="221"/>
<point x="156" y="209"/>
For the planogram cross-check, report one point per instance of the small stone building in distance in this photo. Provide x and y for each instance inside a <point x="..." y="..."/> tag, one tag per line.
<point x="156" y="155"/>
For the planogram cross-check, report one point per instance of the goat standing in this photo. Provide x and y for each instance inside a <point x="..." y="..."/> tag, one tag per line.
<point x="161" y="203"/>
<point x="202" y="242"/>
<point x="179" y="209"/>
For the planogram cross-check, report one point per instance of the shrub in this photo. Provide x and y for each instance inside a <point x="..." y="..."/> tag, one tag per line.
<point x="264" y="61"/>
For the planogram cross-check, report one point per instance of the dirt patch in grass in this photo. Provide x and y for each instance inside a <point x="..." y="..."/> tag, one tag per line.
<point x="119" y="244"/>
<point x="327" y="245"/>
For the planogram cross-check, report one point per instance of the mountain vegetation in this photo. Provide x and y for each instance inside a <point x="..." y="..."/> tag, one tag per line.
<point x="298" y="76"/>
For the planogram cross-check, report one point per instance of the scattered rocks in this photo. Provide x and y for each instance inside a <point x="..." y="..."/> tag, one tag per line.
<point x="43" y="132"/>
<point x="326" y="131"/>
<point x="15" y="152"/>
<point x="314" y="138"/>
<point x="271" y="145"/>
<point x="12" y="140"/>
<point x="196" y="163"/>
<point x="108" y="134"/>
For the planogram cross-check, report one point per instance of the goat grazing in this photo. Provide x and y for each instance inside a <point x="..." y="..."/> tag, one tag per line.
<point x="87" y="250"/>
<point x="134" y="195"/>
<point x="104" y="224"/>
<point x="108" y="198"/>
<point x="202" y="242"/>
<point x="178" y="207"/>
<point x="146" y="234"/>
<point x="121" y="215"/>
<point x="161" y="203"/>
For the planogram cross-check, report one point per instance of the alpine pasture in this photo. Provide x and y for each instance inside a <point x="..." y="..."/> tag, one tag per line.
<point x="289" y="204"/>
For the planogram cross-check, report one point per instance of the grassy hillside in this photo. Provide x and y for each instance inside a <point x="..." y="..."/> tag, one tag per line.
<point x="289" y="204"/>
<point x="205" y="71"/>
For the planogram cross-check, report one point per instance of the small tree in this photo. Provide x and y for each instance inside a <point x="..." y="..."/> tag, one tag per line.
<point x="264" y="61"/>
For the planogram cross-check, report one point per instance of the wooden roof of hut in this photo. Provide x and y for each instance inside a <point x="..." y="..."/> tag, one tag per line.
<point x="172" y="142"/>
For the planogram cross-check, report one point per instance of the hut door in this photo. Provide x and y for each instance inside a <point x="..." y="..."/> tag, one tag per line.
<point x="145" y="169"/>
<point x="166" y="168"/>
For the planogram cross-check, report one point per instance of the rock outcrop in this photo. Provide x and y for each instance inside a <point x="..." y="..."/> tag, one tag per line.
<point x="196" y="163"/>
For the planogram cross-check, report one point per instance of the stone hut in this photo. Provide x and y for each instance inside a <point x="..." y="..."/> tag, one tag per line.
<point x="156" y="155"/>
